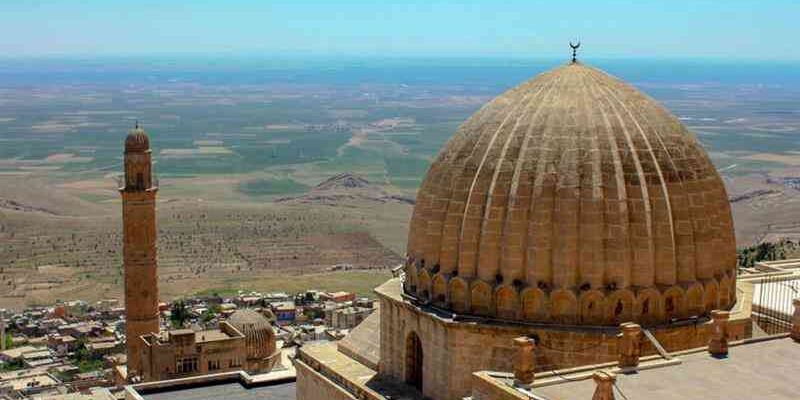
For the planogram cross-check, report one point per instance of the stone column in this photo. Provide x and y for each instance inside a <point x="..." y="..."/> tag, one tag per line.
<point x="629" y="345"/>
<point x="524" y="361"/>
<point x="796" y="320"/>
<point x="718" y="345"/>
<point x="605" y="381"/>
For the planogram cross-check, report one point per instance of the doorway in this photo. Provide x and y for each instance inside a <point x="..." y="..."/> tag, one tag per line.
<point x="414" y="361"/>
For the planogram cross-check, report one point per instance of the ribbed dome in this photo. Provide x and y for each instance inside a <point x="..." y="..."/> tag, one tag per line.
<point x="573" y="198"/>
<point x="137" y="140"/>
<point x="259" y="336"/>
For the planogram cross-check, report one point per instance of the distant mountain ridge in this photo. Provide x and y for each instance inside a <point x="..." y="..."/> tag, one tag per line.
<point x="344" y="188"/>
<point x="344" y="180"/>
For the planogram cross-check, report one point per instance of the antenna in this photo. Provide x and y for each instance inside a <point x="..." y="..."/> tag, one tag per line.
<point x="575" y="50"/>
<point x="137" y="121"/>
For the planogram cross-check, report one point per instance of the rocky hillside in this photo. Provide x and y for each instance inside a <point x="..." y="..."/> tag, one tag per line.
<point x="345" y="188"/>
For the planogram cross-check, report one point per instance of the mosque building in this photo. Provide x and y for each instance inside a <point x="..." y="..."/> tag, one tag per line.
<point x="565" y="209"/>
<point x="572" y="240"/>
<point x="245" y="341"/>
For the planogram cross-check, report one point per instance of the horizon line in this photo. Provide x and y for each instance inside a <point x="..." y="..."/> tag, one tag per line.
<point x="392" y="56"/>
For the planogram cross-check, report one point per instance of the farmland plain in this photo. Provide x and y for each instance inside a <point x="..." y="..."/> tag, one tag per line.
<point x="242" y="145"/>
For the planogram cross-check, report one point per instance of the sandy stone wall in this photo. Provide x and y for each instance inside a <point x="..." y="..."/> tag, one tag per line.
<point x="141" y="276"/>
<point x="483" y="388"/>
<point x="453" y="350"/>
<point x="312" y="385"/>
<point x="159" y="359"/>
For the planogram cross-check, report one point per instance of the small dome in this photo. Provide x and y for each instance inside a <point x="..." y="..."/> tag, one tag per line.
<point x="259" y="336"/>
<point x="573" y="198"/>
<point x="137" y="140"/>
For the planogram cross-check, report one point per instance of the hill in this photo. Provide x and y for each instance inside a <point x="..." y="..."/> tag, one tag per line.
<point x="347" y="188"/>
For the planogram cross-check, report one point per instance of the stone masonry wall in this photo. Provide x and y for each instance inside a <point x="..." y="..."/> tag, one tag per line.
<point x="452" y="351"/>
<point x="312" y="385"/>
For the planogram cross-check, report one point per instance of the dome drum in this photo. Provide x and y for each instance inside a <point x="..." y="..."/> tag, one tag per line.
<point x="645" y="305"/>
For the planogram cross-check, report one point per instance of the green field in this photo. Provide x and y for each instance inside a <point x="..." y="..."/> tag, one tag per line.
<point x="360" y="282"/>
<point x="271" y="187"/>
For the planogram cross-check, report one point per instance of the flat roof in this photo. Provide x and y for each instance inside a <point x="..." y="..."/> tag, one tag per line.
<point x="210" y="336"/>
<point x="349" y="370"/>
<point x="228" y="391"/>
<point x="765" y="370"/>
<point x="40" y="380"/>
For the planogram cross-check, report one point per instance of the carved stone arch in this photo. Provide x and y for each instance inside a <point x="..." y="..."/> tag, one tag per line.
<point x="534" y="304"/>
<point x="506" y="302"/>
<point x="648" y="309"/>
<point x="459" y="295"/>
<point x="481" y="298"/>
<point x="424" y="285"/>
<point x="439" y="290"/>
<point x="727" y="293"/>
<point x="694" y="300"/>
<point x="592" y="307"/>
<point x="674" y="303"/>
<point x="619" y="306"/>
<point x="412" y="278"/>
<point x="711" y="296"/>
<point x="563" y="306"/>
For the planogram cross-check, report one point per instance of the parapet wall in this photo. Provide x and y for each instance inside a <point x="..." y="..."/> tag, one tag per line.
<point x="313" y="385"/>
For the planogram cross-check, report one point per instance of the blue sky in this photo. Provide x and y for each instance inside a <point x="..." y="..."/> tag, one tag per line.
<point x="752" y="29"/>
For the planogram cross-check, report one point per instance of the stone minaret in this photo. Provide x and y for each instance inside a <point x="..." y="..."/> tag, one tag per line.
<point x="139" y="245"/>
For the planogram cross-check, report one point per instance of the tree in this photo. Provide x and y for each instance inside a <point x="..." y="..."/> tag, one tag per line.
<point x="179" y="314"/>
<point x="210" y="314"/>
<point x="84" y="359"/>
<point x="764" y="251"/>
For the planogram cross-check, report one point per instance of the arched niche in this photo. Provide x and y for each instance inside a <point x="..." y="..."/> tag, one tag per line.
<point x="563" y="306"/>
<point x="674" y="303"/>
<point x="439" y="290"/>
<point x="711" y="296"/>
<point x="619" y="306"/>
<point x="648" y="309"/>
<point x="458" y="295"/>
<point x="592" y="307"/>
<point x="481" y="298"/>
<point x="506" y="302"/>
<point x="534" y="304"/>
<point x="424" y="285"/>
<point x="694" y="300"/>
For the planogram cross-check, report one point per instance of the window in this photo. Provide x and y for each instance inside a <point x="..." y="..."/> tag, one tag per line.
<point x="186" y="365"/>
<point x="213" y="365"/>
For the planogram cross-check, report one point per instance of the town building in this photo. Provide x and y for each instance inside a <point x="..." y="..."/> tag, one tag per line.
<point x="337" y="297"/>
<point x="285" y="312"/>
<point x="184" y="352"/>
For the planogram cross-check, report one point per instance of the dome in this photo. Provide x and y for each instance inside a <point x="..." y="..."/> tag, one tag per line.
<point x="259" y="336"/>
<point x="137" y="140"/>
<point x="573" y="198"/>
